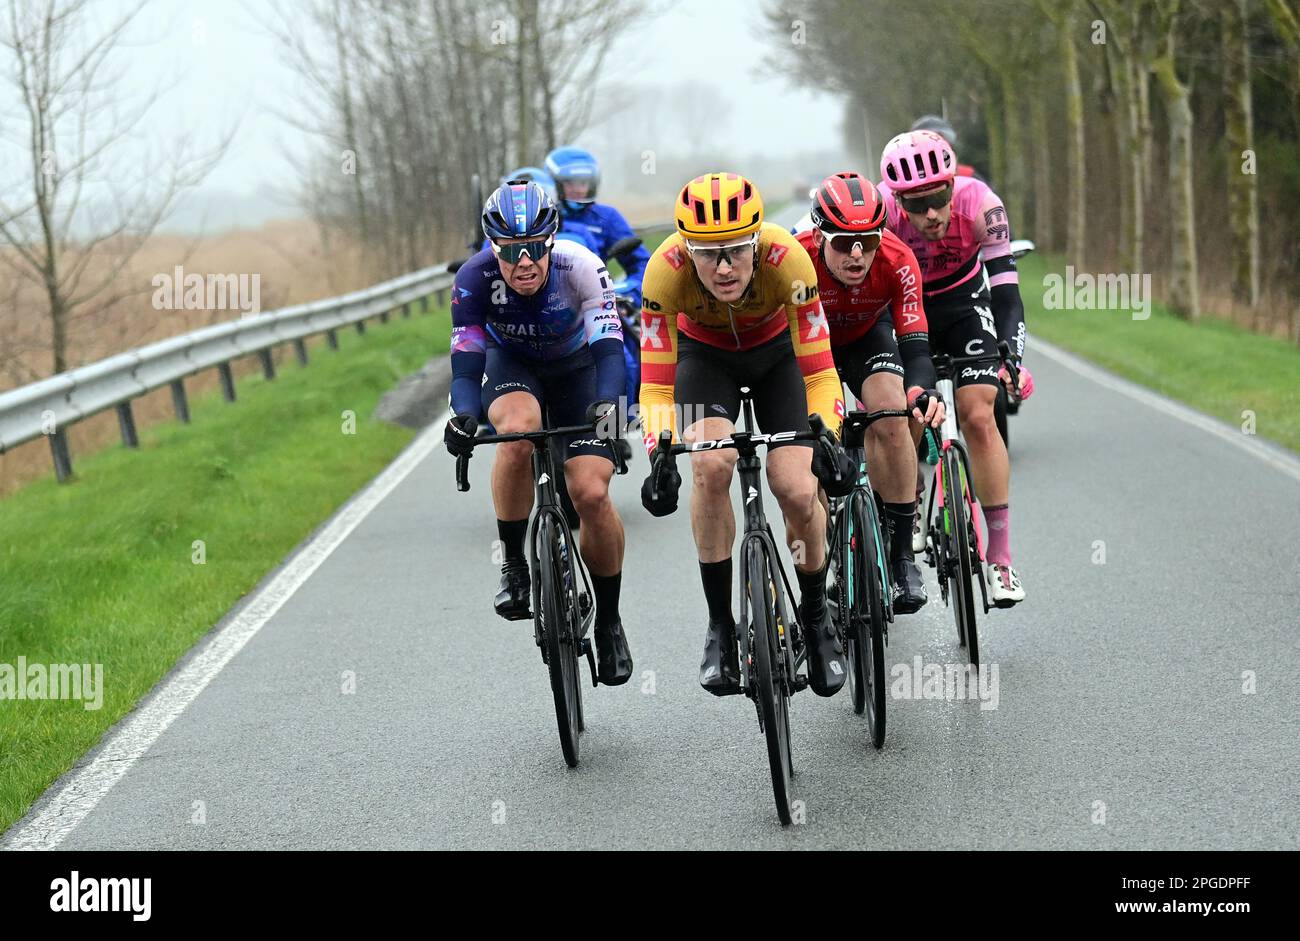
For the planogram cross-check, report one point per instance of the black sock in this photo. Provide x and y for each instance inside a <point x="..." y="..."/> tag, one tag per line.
<point x="899" y="518"/>
<point x="812" y="590"/>
<point x="512" y="533"/>
<point x="717" y="590"/>
<point x="606" y="588"/>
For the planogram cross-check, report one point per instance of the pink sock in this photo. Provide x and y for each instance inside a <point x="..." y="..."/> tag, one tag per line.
<point x="998" y="520"/>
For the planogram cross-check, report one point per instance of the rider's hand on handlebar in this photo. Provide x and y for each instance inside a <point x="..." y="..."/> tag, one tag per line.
<point x="1026" y="380"/>
<point x="926" y="405"/>
<point x="659" y="491"/>
<point x="604" y="412"/>
<point x="832" y="466"/>
<point x="459" y="434"/>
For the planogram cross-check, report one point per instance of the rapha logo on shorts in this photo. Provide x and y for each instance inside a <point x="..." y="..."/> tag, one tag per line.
<point x="969" y="373"/>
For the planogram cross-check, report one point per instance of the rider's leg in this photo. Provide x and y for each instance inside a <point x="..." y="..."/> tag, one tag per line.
<point x="512" y="496"/>
<point x="602" y="530"/>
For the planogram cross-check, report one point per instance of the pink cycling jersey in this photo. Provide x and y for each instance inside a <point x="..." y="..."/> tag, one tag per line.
<point x="978" y="232"/>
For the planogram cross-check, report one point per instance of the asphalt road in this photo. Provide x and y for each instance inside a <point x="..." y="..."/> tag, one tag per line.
<point x="1121" y="718"/>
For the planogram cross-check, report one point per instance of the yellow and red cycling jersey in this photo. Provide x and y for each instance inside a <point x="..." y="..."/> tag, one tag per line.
<point x="783" y="295"/>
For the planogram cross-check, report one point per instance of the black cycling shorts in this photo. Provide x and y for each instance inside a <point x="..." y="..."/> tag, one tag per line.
<point x="875" y="351"/>
<point x="564" y="388"/>
<point x="709" y="379"/>
<point x="961" y="324"/>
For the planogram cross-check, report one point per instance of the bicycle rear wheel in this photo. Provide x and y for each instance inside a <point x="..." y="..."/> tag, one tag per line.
<point x="869" y="614"/>
<point x="959" y="558"/>
<point x="558" y="613"/>
<point x="770" y="687"/>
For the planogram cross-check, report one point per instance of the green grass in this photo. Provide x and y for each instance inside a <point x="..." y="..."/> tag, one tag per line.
<point x="1214" y="366"/>
<point x="101" y="570"/>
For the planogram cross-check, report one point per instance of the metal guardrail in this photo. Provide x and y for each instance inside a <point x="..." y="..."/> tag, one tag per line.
<point x="48" y="407"/>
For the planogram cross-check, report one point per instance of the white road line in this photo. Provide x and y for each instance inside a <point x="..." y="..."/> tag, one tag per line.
<point x="1272" y="455"/>
<point x="84" y="787"/>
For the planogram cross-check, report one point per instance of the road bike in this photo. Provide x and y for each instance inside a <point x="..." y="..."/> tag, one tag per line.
<point x="562" y="613"/>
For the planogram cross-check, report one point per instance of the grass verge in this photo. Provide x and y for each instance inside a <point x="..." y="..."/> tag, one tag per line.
<point x="1214" y="366"/>
<point x="103" y="570"/>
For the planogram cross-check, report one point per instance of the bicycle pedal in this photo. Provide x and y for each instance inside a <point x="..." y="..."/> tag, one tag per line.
<point x="516" y="616"/>
<point x="800" y="682"/>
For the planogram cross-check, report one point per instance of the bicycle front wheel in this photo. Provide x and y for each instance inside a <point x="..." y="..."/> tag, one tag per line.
<point x="869" y="614"/>
<point x="557" y="614"/>
<point x="959" y="559"/>
<point x="770" y="686"/>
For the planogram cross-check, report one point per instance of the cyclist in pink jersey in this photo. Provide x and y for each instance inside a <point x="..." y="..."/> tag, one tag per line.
<point x="957" y="227"/>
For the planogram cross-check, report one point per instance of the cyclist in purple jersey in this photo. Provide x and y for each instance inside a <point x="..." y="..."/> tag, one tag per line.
<point x="957" y="227"/>
<point x="534" y="327"/>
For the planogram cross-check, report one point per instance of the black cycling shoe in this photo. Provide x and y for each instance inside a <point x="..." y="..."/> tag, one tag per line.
<point x="827" y="667"/>
<point x="720" y="669"/>
<point x="612" y="655"/>
<point x="515" y="593"/>
<point x="909" y="590"/>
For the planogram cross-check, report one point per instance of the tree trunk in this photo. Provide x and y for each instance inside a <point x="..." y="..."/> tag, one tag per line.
<point x="1135" y="156"/>
<point x="1184" y="298"/>
<point x="1077" y="203"/>
<point x="1243" y="212"/>
<point x="1044" y="232"/>
<point x="997" y="138"/>
<point x="1012" y="180"/>
<point x="523" y="98"/>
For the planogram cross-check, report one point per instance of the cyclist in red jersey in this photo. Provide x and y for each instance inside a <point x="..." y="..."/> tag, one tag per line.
<point x="864" y="271"/>
<point x="958" y="229"/>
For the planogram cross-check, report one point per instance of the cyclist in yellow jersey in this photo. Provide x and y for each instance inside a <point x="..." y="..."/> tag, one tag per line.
<point x="730" y="301"/>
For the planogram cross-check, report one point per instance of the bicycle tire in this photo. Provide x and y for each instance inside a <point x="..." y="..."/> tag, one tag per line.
<point x="869" y="618"/>
<point x="770" y="689"/>
<point x="1002" y="408"/>
<point x="959" y="569"/>
<point x="556" y="625"/>
<point x="845" y="582"/>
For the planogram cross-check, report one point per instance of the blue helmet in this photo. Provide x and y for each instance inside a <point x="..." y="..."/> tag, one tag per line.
<point x="574" y="165"/>
<point x="519" y="209"/>
<point x="537" y="175"/>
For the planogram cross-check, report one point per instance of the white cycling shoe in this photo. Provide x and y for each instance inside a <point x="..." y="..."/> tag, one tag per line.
<point x="918" y="535"/>
<point x="1004" y="585"/>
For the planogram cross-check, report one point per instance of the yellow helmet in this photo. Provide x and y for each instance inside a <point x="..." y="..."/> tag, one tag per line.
<point x="718" y="206"/>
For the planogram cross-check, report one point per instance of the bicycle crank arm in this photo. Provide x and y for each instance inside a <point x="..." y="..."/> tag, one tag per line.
<point x="591" y="660"/>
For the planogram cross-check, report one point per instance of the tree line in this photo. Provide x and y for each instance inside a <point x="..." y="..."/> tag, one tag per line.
<point x="411" y="98"/>
<point x="1132" y="135"/>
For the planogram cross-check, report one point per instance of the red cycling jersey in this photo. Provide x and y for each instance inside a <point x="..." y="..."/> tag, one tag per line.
<point x="893" y="282"/>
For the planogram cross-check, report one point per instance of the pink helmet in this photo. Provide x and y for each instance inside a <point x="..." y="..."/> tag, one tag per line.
<point x="915" y="159"/>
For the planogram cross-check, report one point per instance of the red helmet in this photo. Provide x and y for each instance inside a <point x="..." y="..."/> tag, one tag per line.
<point x="848" y="202"/>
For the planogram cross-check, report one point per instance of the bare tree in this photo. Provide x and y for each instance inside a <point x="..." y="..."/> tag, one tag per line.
<point x="88" y="203"/>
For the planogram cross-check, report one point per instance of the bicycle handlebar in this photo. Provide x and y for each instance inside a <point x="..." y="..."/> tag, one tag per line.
<point x="536" y="437"/>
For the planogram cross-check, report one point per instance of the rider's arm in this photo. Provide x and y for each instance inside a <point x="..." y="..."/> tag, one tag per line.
<point x="658" y="351"/>
<point x="810" y="333"/>
<point x="910" y="325"/>
<point x="604" y="328"/>
<point x="1004" y="282"/>
<point x="633" y="263"/>
<point x="468" y="347"/>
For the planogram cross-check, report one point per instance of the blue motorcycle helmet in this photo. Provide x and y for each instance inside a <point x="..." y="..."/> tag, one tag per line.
<point x="536" y="175"/>
<point x="573" y="165"/>
<point x="520" y="210"/>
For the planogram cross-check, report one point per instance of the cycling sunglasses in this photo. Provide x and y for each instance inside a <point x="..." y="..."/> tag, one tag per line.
<point x="535" y="249"/>
<point x="714" y="255"/>
<point x="843" y="242"/>
<point x="922" y="204"/>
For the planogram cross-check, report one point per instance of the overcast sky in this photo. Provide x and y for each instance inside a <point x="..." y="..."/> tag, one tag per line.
<point x="218" y="66"/>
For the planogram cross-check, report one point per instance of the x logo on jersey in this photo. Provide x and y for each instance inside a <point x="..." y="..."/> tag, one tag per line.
<point x="817" y="325"/>
<point x="650" y="333"/>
